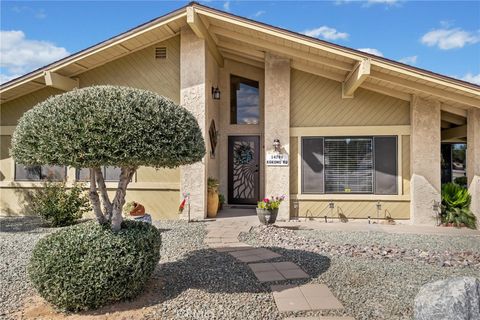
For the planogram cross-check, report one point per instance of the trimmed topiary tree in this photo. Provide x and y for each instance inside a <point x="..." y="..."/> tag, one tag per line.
<point x="108" y="125"/>
<point x="88" y="265"/>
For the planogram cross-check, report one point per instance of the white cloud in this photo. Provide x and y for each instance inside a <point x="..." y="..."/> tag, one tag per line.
<point x="226" y="5"/>
<point x="20" y="55"/>
<point x="447" y="38"/>
<point x="259" y="13"/>
<point x="409" y="60"/>
<point x="326" y="33"/>
<point x="473" y="78"/>
<point x="37" y="13"/>
<point x="372" y="51"/>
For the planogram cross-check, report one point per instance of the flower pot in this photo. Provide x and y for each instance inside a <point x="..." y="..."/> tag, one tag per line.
<point x="212" y="203"/>
<point x="267" y="216"/>
<point x="138" y="210"/>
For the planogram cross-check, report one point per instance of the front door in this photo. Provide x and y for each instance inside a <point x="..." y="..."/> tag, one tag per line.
<point x="243" y="169"/>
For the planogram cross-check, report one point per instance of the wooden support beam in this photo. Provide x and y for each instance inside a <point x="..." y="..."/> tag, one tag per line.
<point x="457" y="111"/>
<point x="355" y="78"/>
<point x="58" y="81"/>
<point x="454" y="133"/>
<point x="387" y="91"/>
<point x="280" y="50"/>
<point x="169" y="29"/>
<point x="242" y="49"/>
<point x="417" y="86"/>
<point x="228" y="51"/>
<point x="445" y="124"/>
<point x="452" y="118"/>
<point x="201" y="31"/>
<point x="339" y="78"/>
<point x="243" y="59"/>
<point x="317" y="71"/>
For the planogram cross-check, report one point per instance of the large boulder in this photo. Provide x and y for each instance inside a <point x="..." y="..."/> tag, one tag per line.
<point x="452" y="299"/>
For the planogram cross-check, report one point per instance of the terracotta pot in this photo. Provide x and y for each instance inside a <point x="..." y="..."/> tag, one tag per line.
<point x="212" y="203"/>
<point x="267" y="216"/>
<point x="138" y="210"/>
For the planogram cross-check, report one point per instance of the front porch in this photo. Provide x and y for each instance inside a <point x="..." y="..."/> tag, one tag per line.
<point x="293" y="104"/>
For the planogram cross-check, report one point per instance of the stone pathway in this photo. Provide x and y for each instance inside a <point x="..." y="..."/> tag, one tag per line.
<point x="223" y="237"/>
<point x="304" y="298"/>
<point x="277" y="271"/>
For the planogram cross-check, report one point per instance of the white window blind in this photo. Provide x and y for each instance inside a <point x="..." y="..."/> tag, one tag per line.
<point x="349" y="165"/>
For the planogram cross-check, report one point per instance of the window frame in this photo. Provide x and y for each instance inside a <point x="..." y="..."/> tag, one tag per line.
<point x="104" y="168"/>
<point x="233" y="100"/>
<point x="40" y="178"/>
<point x="373" y="193"/>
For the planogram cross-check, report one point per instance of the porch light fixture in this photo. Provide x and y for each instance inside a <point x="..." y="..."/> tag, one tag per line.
<point x="215" y="93"/>
<point x="276" y="145"/>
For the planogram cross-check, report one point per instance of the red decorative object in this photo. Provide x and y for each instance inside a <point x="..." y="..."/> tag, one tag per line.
<point x="138" y="210"/>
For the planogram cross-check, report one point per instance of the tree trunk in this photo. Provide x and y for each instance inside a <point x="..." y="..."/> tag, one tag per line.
<point x="119" y="200"/>
<point x="94" y="199"/>
<point x="107" y="205"/>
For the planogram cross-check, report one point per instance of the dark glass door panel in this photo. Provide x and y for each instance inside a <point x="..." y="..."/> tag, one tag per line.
<point x="243" y="169"/>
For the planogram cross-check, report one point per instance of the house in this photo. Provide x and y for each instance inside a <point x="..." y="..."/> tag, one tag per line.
<point x="337" y="130"/>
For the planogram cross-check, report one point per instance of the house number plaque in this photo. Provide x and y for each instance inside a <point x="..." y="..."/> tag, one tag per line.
<point x="276" y="159"/>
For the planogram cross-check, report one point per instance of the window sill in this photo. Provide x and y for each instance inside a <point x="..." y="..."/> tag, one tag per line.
<point x="350" y="197"/>
<point x="110" y="185"/>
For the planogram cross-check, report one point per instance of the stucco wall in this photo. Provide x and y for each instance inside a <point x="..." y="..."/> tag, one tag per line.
<point x="213" y="169"/>
<point x="159" y="189"/>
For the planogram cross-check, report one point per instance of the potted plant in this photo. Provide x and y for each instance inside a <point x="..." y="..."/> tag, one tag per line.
<point x="134" y="209"/>
<point x="212" y="198"/>
<point x="221" y="201"/>
<point x="267" y="209"/>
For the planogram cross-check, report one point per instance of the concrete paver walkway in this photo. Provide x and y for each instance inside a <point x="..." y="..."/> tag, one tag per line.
<point x="223" y="237"/>
<point x="277" y="271"/>
<point x="305" y="297"/>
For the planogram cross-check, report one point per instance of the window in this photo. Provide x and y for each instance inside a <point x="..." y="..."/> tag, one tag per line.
<point x="349" y="165"/>
<point x="38" y="173"/>
<point x="110" y="173"/>
<point x="244" y="101"/>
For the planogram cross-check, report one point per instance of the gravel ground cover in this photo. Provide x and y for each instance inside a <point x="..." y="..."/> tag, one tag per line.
<point x="18" y="236"/>
<point x="196" y="282"/>
<point x="408" y="241"/>
<point x="191" y="282"/>
<point x="201" y="283"/>
<point x="372" y="286"/>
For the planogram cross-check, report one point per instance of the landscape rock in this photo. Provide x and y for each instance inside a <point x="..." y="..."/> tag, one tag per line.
<point x="451" y="299"/>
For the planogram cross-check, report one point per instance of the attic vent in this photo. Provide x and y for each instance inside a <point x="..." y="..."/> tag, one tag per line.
<point x="160" y="53"/>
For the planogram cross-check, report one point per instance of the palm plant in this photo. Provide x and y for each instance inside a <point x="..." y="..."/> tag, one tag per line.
<point x="456" y="206"/>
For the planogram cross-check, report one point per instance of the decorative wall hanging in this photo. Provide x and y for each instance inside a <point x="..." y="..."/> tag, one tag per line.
<point x="213" y="134"/>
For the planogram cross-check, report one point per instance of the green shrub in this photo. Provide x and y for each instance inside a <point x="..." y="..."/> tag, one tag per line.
<point x="88" y="265"/>
<point x="461" y="181"/>
<point x="58" y="205"/>
<point x="456" y="206"/>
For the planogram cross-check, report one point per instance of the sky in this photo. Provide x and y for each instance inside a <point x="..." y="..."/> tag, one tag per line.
<point x="440" y="36"/>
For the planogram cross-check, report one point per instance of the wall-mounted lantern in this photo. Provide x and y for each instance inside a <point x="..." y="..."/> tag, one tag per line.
<point x="276" y="145"/>
<point x="215" y="93"/>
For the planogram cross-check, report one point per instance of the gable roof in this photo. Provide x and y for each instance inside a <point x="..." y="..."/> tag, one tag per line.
<point x="239" y="38"/>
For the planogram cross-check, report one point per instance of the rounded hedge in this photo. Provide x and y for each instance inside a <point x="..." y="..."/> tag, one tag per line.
<point x="108" y="125"/>
<point x="88" y="265"/>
